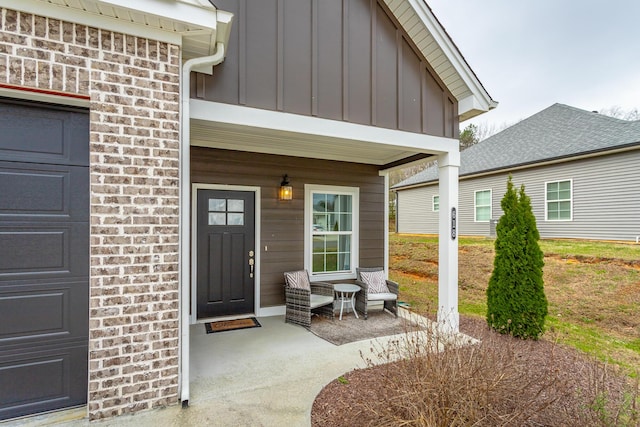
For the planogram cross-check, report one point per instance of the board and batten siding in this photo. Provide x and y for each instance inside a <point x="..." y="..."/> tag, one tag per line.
<point x="336" y="59"/>
<point x="606" y="199"/>
<point x="282" y="222"/>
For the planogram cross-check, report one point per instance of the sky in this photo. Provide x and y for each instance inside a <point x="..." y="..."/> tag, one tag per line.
<point x="530" y="54"/>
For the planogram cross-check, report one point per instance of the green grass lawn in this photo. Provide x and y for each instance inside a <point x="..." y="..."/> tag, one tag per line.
<point x="593" y="289"/>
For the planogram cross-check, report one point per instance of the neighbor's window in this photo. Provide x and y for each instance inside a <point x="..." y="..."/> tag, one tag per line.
<point x="483" y="205"/>
<point x="331" y="218"/>
<point x="559" y="201"/>
<point x="436" y="203"/>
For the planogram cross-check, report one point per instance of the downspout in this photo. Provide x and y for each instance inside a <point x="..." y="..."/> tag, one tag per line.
<point x="185" y="212"/>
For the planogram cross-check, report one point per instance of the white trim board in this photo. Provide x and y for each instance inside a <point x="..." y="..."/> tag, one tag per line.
<point x="288" y="123"/>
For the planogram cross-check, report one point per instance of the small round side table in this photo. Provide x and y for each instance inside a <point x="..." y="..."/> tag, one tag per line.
<point x="347" y="295"/>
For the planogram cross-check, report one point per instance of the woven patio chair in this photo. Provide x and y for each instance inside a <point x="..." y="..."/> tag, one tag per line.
<point x="374" y="287"/>
<point x="304" y="298"/>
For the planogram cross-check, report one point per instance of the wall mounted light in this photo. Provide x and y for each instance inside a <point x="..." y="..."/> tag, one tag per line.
<point x="286" y="191"/>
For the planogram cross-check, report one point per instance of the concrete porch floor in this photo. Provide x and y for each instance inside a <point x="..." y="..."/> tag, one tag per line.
<point x="267" y="376"/>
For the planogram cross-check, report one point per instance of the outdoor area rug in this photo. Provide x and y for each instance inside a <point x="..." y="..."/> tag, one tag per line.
<point x="232" y="325"/>
<point x="349" y="329"/>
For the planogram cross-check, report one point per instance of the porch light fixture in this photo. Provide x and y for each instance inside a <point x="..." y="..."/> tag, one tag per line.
<point x="286" y="191"/>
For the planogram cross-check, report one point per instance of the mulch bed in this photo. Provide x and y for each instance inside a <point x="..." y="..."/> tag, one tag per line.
<point x="342" y="402"/>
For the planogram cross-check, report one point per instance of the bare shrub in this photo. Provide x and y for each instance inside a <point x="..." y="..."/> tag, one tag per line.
<point x="496" y="381"/>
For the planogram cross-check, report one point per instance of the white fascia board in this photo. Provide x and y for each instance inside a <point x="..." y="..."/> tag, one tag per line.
<point x="462" y="68"/>
<point x="178" y="11"/>
<point x="470" y="107"/>
<point x="78" y="16"/>
<point x="286" y="122"/>
<point x="224" y="20"/>
<point x="468" y="104"/>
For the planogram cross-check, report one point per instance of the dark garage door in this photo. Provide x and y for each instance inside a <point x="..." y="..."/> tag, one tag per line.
<point x="44" y="258"/>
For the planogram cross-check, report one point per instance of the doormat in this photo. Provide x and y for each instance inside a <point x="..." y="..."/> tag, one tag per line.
<point x="232" y="325"/>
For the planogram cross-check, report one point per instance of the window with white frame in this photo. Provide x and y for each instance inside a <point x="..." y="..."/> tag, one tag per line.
<point x="559" y="200"/>
<point x="435" y="204"/>
<point x="331" y="235"/>
<point x="482" y="205"/>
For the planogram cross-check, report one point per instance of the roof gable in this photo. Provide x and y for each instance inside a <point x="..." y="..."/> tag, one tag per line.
<point x="430" y="37"/>
<point x="347" y="60"/>
<point x="557" y="132"/>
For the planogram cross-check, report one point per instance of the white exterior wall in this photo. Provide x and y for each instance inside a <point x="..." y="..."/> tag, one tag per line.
<point x="606" y="200"/>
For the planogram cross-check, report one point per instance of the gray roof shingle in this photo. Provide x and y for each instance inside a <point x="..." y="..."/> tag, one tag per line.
<point x="557" y="132"/>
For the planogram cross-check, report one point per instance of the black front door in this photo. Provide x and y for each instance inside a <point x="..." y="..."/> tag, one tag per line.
<point x="225" y="253"/>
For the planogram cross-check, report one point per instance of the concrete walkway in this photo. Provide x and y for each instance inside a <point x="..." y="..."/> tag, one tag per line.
<point x="266" y="376"/>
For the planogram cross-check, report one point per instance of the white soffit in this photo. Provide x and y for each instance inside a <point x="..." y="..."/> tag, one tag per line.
<point x="189" y="23"/>
<point x="241" y="128"/>
<point x="430" y="37"/>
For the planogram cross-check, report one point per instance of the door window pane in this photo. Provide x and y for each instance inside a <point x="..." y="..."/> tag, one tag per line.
<point x="217" y="218"/>
<point x="235" y="205"/>
<point x="217" y="205"/>
<point x="235" y="219"/>
<point x="226" y="212"/>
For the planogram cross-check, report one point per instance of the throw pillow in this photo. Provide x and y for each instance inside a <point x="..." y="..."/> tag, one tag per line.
<point x="375" y="280"/>
<point x="298" y="279"/>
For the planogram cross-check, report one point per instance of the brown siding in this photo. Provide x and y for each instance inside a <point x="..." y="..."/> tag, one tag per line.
<point x="337" y="59"/>
<point x="328" y="102"/>
<point x="283" y="222"/>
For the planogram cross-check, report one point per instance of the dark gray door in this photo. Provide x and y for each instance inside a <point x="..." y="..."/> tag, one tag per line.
<point x="44" y="258"/>
<point x="225" y="253"/>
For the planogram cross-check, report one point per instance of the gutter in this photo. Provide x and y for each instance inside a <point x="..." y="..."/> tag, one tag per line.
<point x="184" y="277"/>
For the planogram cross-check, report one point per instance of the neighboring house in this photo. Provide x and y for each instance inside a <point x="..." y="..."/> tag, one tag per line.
<point x="579" y="168"/>
<point x="142" y="147"/>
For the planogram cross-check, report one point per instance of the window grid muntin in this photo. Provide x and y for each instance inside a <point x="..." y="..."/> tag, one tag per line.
<point x="482" y="210"/>
<point x="559" y="200"/>
<point x="347" y="254"/>
<point x="225" y="212"/>
<point x="332" y="219"/>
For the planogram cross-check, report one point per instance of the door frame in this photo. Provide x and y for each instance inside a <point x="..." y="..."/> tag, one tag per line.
<point x="194" y="250"/>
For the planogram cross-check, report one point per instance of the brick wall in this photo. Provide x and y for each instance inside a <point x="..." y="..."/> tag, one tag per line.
<point x="133" y="84"/>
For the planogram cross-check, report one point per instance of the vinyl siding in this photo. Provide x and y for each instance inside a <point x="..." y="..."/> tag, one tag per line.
<point x="415" y="214"/>
<point x="605" y="199"/>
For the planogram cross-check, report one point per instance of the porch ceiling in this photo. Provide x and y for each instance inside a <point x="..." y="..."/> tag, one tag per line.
<point x="253" y="130"/>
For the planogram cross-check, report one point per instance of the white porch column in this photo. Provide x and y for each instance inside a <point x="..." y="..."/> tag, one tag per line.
<point x="448" y="316"/>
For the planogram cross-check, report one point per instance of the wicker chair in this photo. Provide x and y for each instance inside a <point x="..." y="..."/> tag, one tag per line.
<point x="367" y="294"/>
<point x="304" y="298"/>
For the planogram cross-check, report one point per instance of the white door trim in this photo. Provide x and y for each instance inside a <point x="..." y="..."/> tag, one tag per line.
<point x="194" y="233"/>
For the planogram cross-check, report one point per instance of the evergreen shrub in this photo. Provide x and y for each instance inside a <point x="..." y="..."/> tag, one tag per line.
<point x="516" y="303"/>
